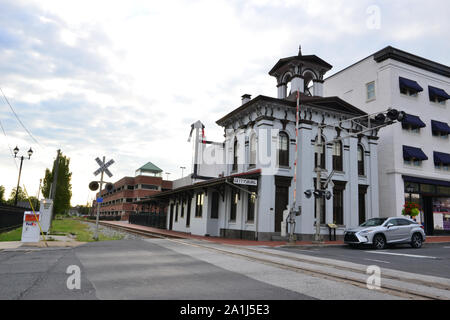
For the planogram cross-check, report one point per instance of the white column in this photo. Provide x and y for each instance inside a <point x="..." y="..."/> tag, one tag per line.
<point x="297" y="84"/>
<point x="318" y="88"/>
<point x="351" y="209"/>
<point x="282" y="91"/>
<point x="305" y="167"/>
<point x="372" y="172"/>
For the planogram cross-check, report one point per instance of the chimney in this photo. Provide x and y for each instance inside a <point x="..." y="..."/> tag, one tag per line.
<point x="246" y="98"/>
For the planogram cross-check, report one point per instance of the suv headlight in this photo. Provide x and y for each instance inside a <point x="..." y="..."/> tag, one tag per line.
<point x="366" y="231"/>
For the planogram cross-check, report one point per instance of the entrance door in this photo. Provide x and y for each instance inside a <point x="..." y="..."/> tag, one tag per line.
<point x="171" y="217"/>
<point x="281" y="201"/>
<point x="428" y="215"/>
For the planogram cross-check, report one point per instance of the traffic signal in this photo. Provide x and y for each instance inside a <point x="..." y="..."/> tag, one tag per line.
<point x="380" y="117"/>
<point x="318" y="193"/>
<point x="394" y="114"/>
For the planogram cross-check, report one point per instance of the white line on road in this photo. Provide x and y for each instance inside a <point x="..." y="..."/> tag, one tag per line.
<point x="376" y="260"/>
<point x="402" y="254"/>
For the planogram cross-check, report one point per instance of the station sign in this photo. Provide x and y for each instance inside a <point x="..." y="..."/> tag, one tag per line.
<point x="245" y="182"/>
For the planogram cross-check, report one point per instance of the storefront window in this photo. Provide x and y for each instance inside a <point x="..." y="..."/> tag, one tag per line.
<point x="443" y="190"/>
<point x="441" y="213"/>
<point x="427" y="188"/>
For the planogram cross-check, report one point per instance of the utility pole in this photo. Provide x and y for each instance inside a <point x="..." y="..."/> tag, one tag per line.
<point x="318" y="210"/>
<point x="98" y="204"/>
<point x="39" y="190"/>
<point x="53" y="187"/>
<point x="291" y="217"/>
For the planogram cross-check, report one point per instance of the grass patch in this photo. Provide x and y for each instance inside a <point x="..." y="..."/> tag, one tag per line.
<point x="63" y="226"/>
<point x="80" y="230"/>
<point x="13" y="235"/>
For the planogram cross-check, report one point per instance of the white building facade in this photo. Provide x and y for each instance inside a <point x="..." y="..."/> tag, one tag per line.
<point x="414" y="156"/>
<point x="240" y="187"/>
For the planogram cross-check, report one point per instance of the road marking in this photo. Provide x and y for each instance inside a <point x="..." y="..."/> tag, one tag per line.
<point x="403" y="254"/>
<point x="446" y="247"/>
<point x="376" y="260"/>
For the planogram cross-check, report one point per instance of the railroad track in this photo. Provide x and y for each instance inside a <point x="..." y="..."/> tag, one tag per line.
<point x="350" y="275"/>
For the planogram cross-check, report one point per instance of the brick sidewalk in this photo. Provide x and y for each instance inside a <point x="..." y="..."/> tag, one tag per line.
<point x="183" y="235"/>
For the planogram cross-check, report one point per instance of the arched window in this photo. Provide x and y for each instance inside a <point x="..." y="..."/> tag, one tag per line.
<point x="308" y="82"/>
<point x="283" y="149"/>
<point x="360" y="160"/>
<point x="252" y="150"/>
<point x="235" y="156"/>
<point x="322" y="155"/>
<point x="337" y="156"/>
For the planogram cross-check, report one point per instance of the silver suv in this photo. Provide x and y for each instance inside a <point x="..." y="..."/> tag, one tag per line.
<point x="382" y="231"/>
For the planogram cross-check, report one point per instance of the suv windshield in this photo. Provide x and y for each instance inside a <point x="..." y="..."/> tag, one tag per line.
<point x="373" y="222"/>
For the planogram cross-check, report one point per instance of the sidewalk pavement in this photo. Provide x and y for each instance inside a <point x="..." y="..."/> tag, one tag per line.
<point x="241" y="242"/>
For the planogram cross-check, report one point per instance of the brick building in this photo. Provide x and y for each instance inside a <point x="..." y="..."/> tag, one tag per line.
<point x="129" y="190"/>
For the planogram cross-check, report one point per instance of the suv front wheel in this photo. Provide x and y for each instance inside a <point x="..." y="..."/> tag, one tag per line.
<point x="379" y="242"/>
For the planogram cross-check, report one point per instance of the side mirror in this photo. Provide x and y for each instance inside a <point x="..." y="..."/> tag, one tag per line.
<point x="389" y="225"/>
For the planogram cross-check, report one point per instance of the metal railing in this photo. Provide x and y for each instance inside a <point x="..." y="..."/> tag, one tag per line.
<point x="11" y="217"/>
<point x="149" y="219"/>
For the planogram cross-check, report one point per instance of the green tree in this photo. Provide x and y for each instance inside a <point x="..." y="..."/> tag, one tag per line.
<point x="63" y="194"/>
<point x="20" y="197"/>
<point x="2" y="194"/>
<point x="48" y="179"/>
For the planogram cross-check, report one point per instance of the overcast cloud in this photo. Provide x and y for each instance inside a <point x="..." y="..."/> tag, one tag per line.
<point x="126" y="79"/>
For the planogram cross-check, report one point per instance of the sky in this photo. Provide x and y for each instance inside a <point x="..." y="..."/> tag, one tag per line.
<point x="126" y="79"/>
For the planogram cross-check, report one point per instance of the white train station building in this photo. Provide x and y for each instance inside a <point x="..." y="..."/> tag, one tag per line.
<point x="240" y="187"/>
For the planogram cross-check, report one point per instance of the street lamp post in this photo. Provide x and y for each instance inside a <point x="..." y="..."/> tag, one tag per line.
<point x="182" y="170"/>
<point x="16" y="151"/>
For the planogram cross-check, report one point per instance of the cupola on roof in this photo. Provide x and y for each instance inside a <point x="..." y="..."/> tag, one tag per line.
<point x="302" y="71"/>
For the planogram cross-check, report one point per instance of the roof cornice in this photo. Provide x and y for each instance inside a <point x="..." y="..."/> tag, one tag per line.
<point x="411" y="59"/>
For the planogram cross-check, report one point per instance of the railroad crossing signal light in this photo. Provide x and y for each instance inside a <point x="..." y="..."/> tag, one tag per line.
<point x="93" y="185"/>
<point x="308" y="194"/>
<point x="327" y="195"/>
<point x="109" y="187"/>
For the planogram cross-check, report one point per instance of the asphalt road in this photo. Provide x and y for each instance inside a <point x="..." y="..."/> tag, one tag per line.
<point x="162" y="269"/>
<point x="431" y="259"/>
<point x="126" y="269"/>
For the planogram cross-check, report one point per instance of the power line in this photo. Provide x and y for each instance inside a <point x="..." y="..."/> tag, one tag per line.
<point x="18" y="119"/>
<point x="9" y="147"/>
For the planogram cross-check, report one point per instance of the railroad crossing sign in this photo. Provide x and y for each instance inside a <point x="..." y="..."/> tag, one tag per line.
<point x="103" y="167"/>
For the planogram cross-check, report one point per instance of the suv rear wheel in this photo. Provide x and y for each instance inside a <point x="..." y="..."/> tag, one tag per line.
<point x="416" y="241"/>
<point x="379" y="242"/>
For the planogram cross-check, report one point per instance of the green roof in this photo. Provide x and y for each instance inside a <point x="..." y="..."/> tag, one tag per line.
<point x="150" y="167"/>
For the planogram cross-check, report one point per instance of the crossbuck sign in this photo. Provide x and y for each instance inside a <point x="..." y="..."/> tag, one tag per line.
<point x="103" y="167"/>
